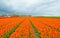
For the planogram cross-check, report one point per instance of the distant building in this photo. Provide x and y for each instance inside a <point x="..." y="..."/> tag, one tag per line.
<point x="4" y="16"/>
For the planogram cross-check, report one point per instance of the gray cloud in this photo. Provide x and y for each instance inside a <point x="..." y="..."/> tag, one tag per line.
<point x="33" y="7"/>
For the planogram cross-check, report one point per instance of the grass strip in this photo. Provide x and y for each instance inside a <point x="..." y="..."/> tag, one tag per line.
<point x="47" y="17"/>
<point x="12" y="31"/>
<point x="38" y="35"/>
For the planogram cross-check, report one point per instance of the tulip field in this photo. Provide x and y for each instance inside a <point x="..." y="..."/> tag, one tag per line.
<point x="29" y="27"/>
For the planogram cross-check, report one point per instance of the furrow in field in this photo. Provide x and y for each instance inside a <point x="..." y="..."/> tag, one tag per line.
<point x="51" y="21"/>
<point x="24" y="31"/>
<point x="30" y="28"/>
<point x="46" y="32"/>
<point x="49" y="26"/>
<point x="7" y="24"/>
<point x="38" y="35"/>
<point x="53" y="24"/>
<point x="12" y="31"/>
<point x="40" y="27"/>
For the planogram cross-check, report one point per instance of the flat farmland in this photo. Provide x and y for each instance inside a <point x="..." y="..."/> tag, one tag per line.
<point x="29" y="27"/>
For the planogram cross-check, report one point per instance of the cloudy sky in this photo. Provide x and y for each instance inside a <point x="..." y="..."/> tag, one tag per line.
<point x="30" y="7"/>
